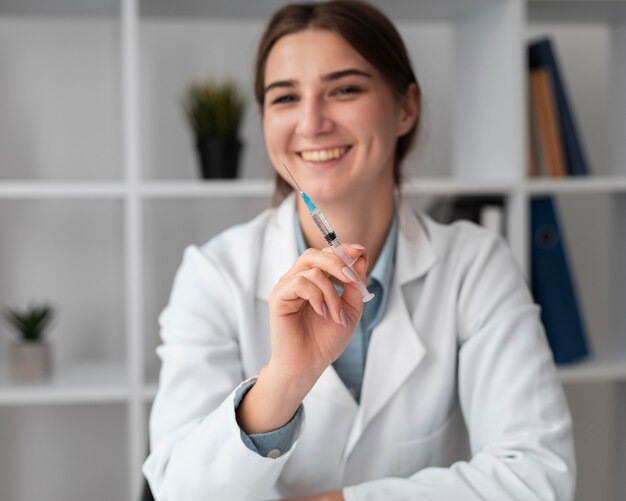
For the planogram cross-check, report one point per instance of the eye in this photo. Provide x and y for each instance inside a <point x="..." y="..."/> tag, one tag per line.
<point x="288" y="98"/>
<point x="347" y="90"/>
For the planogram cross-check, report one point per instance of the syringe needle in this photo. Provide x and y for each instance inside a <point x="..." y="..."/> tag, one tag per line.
<point x="294" y="180"/>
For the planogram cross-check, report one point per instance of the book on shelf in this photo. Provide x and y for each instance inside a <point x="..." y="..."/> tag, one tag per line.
<point x="534" y="167"/>
<point x="552" y="284"/>
<point x="548" y="96"/>
<point x="487" y="211"/>
<point x="546" y="132"/>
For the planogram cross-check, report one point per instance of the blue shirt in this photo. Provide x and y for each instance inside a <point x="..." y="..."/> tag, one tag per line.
<point x="350" y="366"/>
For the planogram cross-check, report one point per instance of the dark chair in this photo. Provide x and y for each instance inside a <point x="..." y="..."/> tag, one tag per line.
<point x="146" y="495"/>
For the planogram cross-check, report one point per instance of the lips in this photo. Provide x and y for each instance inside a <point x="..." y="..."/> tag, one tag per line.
<point x="324" y="154"/>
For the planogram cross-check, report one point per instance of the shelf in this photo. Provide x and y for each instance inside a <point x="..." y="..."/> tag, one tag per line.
<point x="241" y="9"/>
<point x="600" y="368"/>
<point x="63" y="190"/>
<point x="590" y="185"/>
<point x="85" y="383"/>
<point x="106" y="383"/>
<point x="211" y="188"/>
<point x="445" y="186"/>
<point x="263" y="188"/>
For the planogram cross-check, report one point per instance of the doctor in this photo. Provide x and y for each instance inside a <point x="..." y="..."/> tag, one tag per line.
<point x="277" y="381"/>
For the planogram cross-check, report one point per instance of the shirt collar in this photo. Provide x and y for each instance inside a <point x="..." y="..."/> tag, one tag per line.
<point x="415" y="253"/>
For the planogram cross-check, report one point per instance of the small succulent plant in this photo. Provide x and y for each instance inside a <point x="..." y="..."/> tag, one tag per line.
<point x="31" y="323"/>
<point x="214" y="109"/>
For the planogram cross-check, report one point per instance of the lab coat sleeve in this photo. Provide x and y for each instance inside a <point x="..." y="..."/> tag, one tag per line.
<point x="512" y="401"/>
<point x="196" y="447"/>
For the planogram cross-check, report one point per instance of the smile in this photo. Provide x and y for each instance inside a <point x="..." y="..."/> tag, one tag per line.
<point x="324" y="155"/>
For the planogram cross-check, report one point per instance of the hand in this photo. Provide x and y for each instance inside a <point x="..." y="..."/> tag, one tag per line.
<point x="324" y="496"/>
<point x="310" y="324"/>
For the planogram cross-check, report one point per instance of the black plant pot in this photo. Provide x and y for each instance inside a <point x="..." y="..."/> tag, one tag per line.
<point x="219" y="157"/>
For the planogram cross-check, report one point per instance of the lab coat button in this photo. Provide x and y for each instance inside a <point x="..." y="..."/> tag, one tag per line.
<point x="273" y="454"/>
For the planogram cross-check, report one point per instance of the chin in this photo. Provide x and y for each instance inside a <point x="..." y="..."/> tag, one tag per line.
<point x="327" y="192"/>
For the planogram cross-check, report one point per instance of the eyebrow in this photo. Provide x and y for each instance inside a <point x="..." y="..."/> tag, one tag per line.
<point x="335" y="75"/>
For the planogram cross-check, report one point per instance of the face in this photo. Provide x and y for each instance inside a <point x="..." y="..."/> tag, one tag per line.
<point x="330" y="117"/>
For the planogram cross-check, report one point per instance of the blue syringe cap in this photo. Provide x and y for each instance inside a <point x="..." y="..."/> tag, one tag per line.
<point x="309" y="203"/>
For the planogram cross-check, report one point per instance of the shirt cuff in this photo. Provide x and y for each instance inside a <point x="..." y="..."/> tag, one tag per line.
<point x="272" y="444"/>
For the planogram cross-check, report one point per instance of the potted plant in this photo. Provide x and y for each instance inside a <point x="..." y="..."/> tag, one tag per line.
<point x="214" y="112"/>
<point x="30" y="355"/>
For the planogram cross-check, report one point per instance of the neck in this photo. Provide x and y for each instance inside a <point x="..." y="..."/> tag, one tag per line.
<point x="362" y="220"/>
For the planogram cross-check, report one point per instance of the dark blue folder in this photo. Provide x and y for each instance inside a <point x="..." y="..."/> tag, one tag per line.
<point x="552" y="285"/>
<point x="541" y="54"/>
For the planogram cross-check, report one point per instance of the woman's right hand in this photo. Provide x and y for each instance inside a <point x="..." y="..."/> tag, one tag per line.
<point x="310" y="324"/>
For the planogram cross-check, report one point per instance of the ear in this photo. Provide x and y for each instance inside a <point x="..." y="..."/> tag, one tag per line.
<point x="409" y="109"/>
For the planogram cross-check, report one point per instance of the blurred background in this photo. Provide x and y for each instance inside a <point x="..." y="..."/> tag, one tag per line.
<point x="102" y="186"/>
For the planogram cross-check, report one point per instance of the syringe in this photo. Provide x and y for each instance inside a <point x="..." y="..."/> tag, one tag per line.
<point x="331" y="238"/>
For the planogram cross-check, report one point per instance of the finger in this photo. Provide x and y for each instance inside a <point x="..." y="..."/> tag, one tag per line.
<point x="352" y="304"/>
<point x="352" y="299"/>
<point x="349" y="256"/>
<point x="327" y="262"/>
<point x="331" y="297"/>
<point x="291" y="294"/>
<point x="352" y="251"/>
<point x="360" y="266"/>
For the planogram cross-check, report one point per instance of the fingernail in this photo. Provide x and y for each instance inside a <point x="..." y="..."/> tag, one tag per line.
<point x="350" y="275"/>
<point x="343" y="317"/>
<point x="325" y="310"/>
<point x="357" y="246"/>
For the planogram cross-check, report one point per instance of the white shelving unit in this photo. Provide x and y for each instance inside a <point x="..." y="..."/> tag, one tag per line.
<point x="99" y="196"/>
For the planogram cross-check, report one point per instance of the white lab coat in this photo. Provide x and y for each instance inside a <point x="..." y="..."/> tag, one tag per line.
<point x="461" y="347"/>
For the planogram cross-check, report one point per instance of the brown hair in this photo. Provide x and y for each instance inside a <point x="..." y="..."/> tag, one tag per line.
<point x="368" y="31"/>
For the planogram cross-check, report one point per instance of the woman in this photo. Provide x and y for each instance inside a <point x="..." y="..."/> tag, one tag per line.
<point x="265" y="328"/>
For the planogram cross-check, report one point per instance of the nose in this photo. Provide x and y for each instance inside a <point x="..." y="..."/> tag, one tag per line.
<point x="314" y="120"/>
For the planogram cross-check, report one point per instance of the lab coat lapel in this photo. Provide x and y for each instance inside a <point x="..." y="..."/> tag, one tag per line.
<point x="395" y="348"/>
<point x="279" y="250"/>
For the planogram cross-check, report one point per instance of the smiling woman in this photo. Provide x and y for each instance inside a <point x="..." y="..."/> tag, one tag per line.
<point x="369" y="34"/>
<point x="441" y="387"/>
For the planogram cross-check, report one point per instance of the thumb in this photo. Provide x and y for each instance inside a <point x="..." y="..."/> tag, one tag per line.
<point x="352" y="251"/>
<point x="360" y="266"/>
<point x="359" y="259"/>
<point x="352" y="298"/>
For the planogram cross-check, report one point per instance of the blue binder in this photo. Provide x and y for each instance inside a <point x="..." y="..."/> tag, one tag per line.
<point x="552" y="285"/>
<point x="541" y="54"/>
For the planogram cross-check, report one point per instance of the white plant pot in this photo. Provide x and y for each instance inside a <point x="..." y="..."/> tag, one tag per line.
<point x="30" y="361"/>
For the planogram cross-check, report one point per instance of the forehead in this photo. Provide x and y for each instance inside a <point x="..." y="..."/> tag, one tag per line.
<point x="312" y="53"/>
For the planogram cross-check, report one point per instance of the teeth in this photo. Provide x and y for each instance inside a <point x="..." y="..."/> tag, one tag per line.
<point x="323" y="155"/>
